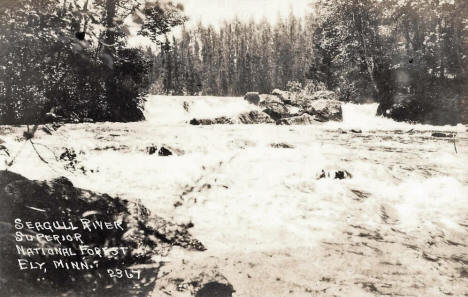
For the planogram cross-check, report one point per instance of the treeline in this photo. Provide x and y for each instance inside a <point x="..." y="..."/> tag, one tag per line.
<point x="236" y="58"/>
<point x="68" y="60"/>
<point x="410" y="55"/>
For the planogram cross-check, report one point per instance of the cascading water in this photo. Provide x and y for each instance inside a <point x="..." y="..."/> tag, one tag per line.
<point x="170" y="110"/>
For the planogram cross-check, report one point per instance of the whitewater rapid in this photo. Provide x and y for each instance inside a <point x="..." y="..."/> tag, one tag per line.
<point x="253" y="194"/>
<point x="177" y="110"/>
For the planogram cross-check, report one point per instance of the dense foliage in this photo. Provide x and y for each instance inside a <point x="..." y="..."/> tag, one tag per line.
<point x="69" y="59"/>
<point x="409" y="55"/>
<point x="237" y="58"/>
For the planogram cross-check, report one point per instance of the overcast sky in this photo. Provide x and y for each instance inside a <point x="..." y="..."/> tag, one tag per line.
<point x="215" y="11"/>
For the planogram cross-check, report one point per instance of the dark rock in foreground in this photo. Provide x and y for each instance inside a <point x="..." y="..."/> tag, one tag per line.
<point x="336" y="174"/>
<point x="143" y="234"/>
<point x="164" y="152"/>
<point x="215" y="289"/>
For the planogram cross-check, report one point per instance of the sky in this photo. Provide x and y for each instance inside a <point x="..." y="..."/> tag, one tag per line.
<point x="215" y="11"/>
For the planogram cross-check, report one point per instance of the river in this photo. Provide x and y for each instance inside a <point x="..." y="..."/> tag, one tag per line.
<point x="398" y="225"/>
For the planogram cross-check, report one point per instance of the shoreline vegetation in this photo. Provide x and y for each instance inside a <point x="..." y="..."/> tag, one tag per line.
<point x="409" y="56"/>
<point x="71" y="62"/>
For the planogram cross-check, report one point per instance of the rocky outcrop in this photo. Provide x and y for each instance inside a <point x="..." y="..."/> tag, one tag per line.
<point x="276" y="110"/>
<point x="323" y="95"/>
<point x="144" y="235"/>
<point x="325" y="110"/>
<point x="288" y="108"/>
<point x="286" y="97"/>
<point x="255" y="117"/>
<point x="266" y="99"/>
<point x="215" y="121"/>
<point x="305" y="119"/>
<point x="285" y="108"/>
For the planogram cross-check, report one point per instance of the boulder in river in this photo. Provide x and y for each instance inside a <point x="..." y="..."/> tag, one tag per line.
<point x="276" y="110"/>
<point x="255" y="117"/>
<point x="285" y="96"/>
<point x="305" y="119"/>
<point x="164" y="152"/>
<point x="323" y="95"/>
<point x="266" y="99"/>
<point x="215" y="121"/>
<point x="252" y="97"/>
<point x="325" y="110"/>
<point x="282" y="145"/>
<point x="442" y="135"/>
<point x="335" y="174"/>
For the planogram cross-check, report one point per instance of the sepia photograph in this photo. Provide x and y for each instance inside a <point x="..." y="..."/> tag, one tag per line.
<point x="233" y="148"/>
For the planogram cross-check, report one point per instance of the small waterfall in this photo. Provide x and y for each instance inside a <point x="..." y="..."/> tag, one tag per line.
<point x="167" y="110"/>
<point x="176" y="110"/>
<point x="364" y="116"/>
<point x="359" y="113"/>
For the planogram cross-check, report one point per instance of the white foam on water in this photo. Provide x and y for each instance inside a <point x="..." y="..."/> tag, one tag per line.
<point x="364" y="117"/>
<point x="260" y="197"/>
<point x="170" y="109"/>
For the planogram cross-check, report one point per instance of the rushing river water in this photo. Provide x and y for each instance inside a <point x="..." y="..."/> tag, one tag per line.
<point x="254" y="194"/>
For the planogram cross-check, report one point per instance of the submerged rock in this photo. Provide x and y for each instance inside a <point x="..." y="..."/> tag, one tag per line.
<point x="442" y="135"/>
<point x="282" y="145"/>
<point x="186" y="106"/>
<point x="336" y="174"/>
<point x="164" y="152"/>
<point x="152" y="149"/>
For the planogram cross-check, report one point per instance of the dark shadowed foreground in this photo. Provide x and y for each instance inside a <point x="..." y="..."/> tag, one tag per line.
<point x="145" y="235"/>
